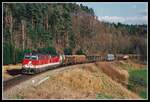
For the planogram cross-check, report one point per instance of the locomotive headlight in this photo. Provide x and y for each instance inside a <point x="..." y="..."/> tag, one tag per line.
<point x="29" y="65"/>
<point x="25" y="66"/>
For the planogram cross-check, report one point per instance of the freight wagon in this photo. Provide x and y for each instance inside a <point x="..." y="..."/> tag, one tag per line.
<point x="35" y="63"/>
<point x="74" y="59"/>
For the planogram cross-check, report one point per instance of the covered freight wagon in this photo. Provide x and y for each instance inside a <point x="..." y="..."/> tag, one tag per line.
<point x="74" y="59"/>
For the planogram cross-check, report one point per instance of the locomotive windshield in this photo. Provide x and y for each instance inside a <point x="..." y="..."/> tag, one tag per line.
<point x="26" y="57"/>
<point x="30" y="57"/>
<point x="33" y="57"/>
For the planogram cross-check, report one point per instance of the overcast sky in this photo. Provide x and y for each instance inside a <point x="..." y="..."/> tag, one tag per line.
<point x="124" y="12"/>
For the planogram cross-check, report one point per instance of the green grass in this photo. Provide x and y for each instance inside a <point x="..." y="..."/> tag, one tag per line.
<point x="143" y="93"/>
<point x="103" y="96"/>
<point x="19" y="96"/>
<point x="138" y="77"/>
<point x="138" y="81"/>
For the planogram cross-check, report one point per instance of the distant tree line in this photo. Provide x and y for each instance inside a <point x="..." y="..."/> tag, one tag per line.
<point x="65" y="28"/>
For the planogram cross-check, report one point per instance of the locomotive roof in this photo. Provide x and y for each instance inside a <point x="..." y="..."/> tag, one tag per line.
<point x="38" y="54"/>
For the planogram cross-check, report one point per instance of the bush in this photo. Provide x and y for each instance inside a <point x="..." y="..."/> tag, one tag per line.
<point x="138" y="79"/>
<point x="143" y="94"/>
<point x="27" y="51"/>
<point x="51" y="51"/>
<point x="67" y="51"/>
<point x="6" y="54"/>
<point x="9" y="58"/>
<point x="48" y="50"/>
<point x="80" y="52"/>
<point x="19" y="55"/>
<point x="11" y="55"/>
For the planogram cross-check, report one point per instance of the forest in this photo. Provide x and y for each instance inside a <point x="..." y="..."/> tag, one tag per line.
<point x="66" y="28"/>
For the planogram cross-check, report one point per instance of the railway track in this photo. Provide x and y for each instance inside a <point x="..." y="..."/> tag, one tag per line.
<point x="9" y="83"/>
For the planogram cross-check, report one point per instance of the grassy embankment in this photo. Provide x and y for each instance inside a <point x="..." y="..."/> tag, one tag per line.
<point x="137" y="77"/>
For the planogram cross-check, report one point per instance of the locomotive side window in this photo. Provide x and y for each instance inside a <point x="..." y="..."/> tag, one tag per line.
<point x="26" y="57"/>
<point x="33" y="58"/>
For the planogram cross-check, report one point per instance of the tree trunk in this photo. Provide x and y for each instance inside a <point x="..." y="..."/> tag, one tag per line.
<point x="10" y="21"/>
<point x="23" y="33"/>
<point x="32" y="23"/>
<point x="46" y="23"/>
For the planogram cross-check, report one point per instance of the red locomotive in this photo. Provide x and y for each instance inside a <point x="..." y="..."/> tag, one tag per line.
<point x="35" y="63"/>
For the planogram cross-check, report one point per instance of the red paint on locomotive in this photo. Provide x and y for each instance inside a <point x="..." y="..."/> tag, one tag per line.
<point x="37" y="63"/>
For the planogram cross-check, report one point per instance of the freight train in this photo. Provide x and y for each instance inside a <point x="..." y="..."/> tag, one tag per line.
<point x="35" y="63"/>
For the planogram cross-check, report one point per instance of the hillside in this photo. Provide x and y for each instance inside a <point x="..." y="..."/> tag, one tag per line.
<point x="86" y="81"/>
<point x="58" y="29"/>
<point x="66" y="26"/>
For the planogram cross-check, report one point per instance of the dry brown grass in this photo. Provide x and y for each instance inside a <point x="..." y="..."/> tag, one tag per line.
<point x="116" y="90"/>
<point x="115" y="72"/>
<point x="135" y="64"/>
<point x="130" y="63"/>
<point x="11" y="66"/>
<point x="80" y="82"/>
<point x="76" y="83"/>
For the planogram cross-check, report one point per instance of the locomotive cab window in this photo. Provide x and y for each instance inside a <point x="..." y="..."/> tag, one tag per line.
<point x="26" y="57"/>
<point x="33" y="57"/>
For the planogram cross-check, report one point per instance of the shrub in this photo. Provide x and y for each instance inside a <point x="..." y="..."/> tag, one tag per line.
<point x="51" y="51"/>
<point x="6" y="54"/>
<point x="68" y="51"/>
<point x="80" y="52"/>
